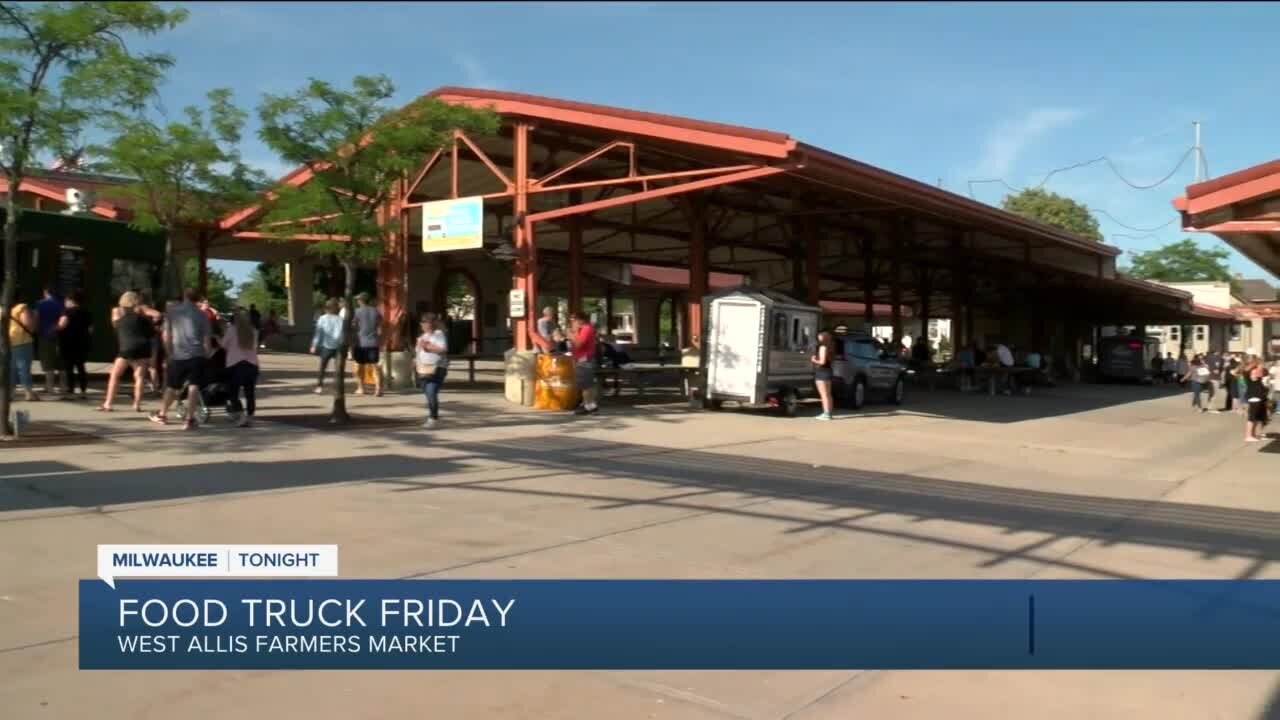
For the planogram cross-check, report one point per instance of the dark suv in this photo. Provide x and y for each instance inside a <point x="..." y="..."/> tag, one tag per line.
<point x="860" y="368"/>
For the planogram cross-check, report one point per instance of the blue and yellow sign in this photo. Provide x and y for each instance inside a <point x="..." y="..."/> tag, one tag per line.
<point x="453" y="225"/>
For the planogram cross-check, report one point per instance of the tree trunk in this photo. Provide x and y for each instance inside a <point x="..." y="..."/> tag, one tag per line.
<point x="339" y="416"/>
<point x="170" y="275"/>
<point x="8" y="289"/>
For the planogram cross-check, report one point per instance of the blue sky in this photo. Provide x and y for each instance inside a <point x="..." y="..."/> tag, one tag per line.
<point x="936" y="91"/>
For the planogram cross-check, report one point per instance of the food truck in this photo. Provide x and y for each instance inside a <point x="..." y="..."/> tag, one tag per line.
<point x="1127" y="357"/>
<point x="756" y="349"/>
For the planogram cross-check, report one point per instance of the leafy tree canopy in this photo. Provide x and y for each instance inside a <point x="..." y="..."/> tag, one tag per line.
<point x="1056" y="210"/>
<point x="186" y="172"/>
<point x="64" y="67"/>
<point x="1182" y="261"/>
<point x="265" y="289"/>
<point x="357" y="147"/>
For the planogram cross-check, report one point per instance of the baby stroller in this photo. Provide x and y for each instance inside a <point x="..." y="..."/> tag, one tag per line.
<point x="215" y="393"/>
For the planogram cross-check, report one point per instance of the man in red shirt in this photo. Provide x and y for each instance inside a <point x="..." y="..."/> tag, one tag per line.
<point x="582" y="343"/>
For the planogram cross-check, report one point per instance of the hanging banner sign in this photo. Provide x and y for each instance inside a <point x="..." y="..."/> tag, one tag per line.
<point x="453" y="225"/>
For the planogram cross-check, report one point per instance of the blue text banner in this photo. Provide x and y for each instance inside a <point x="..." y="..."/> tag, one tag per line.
<point x="679" y="624"/>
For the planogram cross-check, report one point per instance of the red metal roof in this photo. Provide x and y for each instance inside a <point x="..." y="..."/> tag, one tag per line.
<point x="868" y="179"/>
<point x="1257" y="310"/>
<point x="1210" y="311"/>
<point x="811" y="162"/>
<point x="54" y="185"/>
<point x="676" y="121"/>
<point x="1229" y="189"/>
<point x="840" y="307"/>
<point x="678" y="279"/>
<point x="668" y="277"/>
<point x="1154" y="287"/>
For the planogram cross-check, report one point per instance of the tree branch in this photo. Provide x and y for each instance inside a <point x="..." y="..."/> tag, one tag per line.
<point x="17" y="20"/>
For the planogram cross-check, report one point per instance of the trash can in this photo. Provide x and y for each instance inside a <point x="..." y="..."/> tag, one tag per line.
<point x="519" y="376"/>
<point x="397" y="369"/>
<point x="554" y="385"/>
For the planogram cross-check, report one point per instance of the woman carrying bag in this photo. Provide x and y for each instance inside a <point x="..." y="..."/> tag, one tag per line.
<point x="431" y="364"/>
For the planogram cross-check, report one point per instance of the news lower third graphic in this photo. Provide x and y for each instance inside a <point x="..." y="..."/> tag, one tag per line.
<point x="253" y="607"/>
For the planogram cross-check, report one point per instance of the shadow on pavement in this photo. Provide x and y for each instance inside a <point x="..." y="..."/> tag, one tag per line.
<point x="60" y="488"/>
<point x="1271" y="711"/>
<point x="687" y="475"/>
<point x="1065" y="399"/>
<point x="1210" y="531"/>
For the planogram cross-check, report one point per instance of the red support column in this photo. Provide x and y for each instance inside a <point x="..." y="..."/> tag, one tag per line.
<point x="575" y="255"/>
<point x="526" y="263"/>
<point x="698" y="277"/>
<point x="393" y="272"/>
<point x="202" y="244"/>
<point x="531" y="311"/>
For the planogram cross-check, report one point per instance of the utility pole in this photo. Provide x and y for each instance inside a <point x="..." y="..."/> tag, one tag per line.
<point x="1196" y="124"/>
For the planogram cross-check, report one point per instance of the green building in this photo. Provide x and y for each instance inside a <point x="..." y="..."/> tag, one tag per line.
<point x="100" y="257"/>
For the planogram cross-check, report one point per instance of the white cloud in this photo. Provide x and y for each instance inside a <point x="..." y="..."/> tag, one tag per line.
<point x="1005" y="144"/>
<point x="474" y="73"/>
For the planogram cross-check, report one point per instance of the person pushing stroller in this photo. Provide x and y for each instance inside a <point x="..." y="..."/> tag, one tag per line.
<point x="188" y="339"/>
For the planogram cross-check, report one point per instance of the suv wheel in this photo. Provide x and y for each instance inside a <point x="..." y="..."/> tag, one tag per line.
<point x="790" y="403"/>
<point x="857" y="393"/>
<point x="899" y="390"/>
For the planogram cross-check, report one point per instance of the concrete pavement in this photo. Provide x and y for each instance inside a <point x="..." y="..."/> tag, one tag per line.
<point x="1084" y="481"/>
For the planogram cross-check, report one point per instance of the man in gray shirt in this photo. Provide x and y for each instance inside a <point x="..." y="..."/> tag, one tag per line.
<point x="188" y="344"/>
<point x="368" y="323"/>
<point x="547" y="325"/>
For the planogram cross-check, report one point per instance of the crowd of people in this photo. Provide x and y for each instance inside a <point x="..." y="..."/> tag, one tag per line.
<point x="182" y="350"/>
<point x="1035" y="368"/>
<point x="1249" y="387"/>
<point x="187" y="351"/>
<point x="430" y="347"/>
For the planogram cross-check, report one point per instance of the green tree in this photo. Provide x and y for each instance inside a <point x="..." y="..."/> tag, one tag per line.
<point x="1056" y="210"/>
<point x="1182" y="261"/>
<point x="218" y="284"/>
<point x="186" y="173"/>
<point x="64" y="68"/>
<point x="357" y="149"/>
<point x="265" y="289"/>
<point x="272" y="275"/>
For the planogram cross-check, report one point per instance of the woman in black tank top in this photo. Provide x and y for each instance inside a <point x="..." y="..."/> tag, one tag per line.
<point x="822" y="372"/>
<point x="1255" y="398"/>
<point x="133" y="339"/>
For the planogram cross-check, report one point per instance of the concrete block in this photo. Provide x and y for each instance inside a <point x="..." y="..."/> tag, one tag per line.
<point x="519" y="376"/>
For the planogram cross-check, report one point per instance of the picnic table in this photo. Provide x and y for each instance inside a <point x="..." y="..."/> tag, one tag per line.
<point x="642" y="375"/>
<point x="989" y="375"/>
<point x="992" y="377"/>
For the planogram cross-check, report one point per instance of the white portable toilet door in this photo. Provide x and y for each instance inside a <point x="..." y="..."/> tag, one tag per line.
<point x="735" y="353"/>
